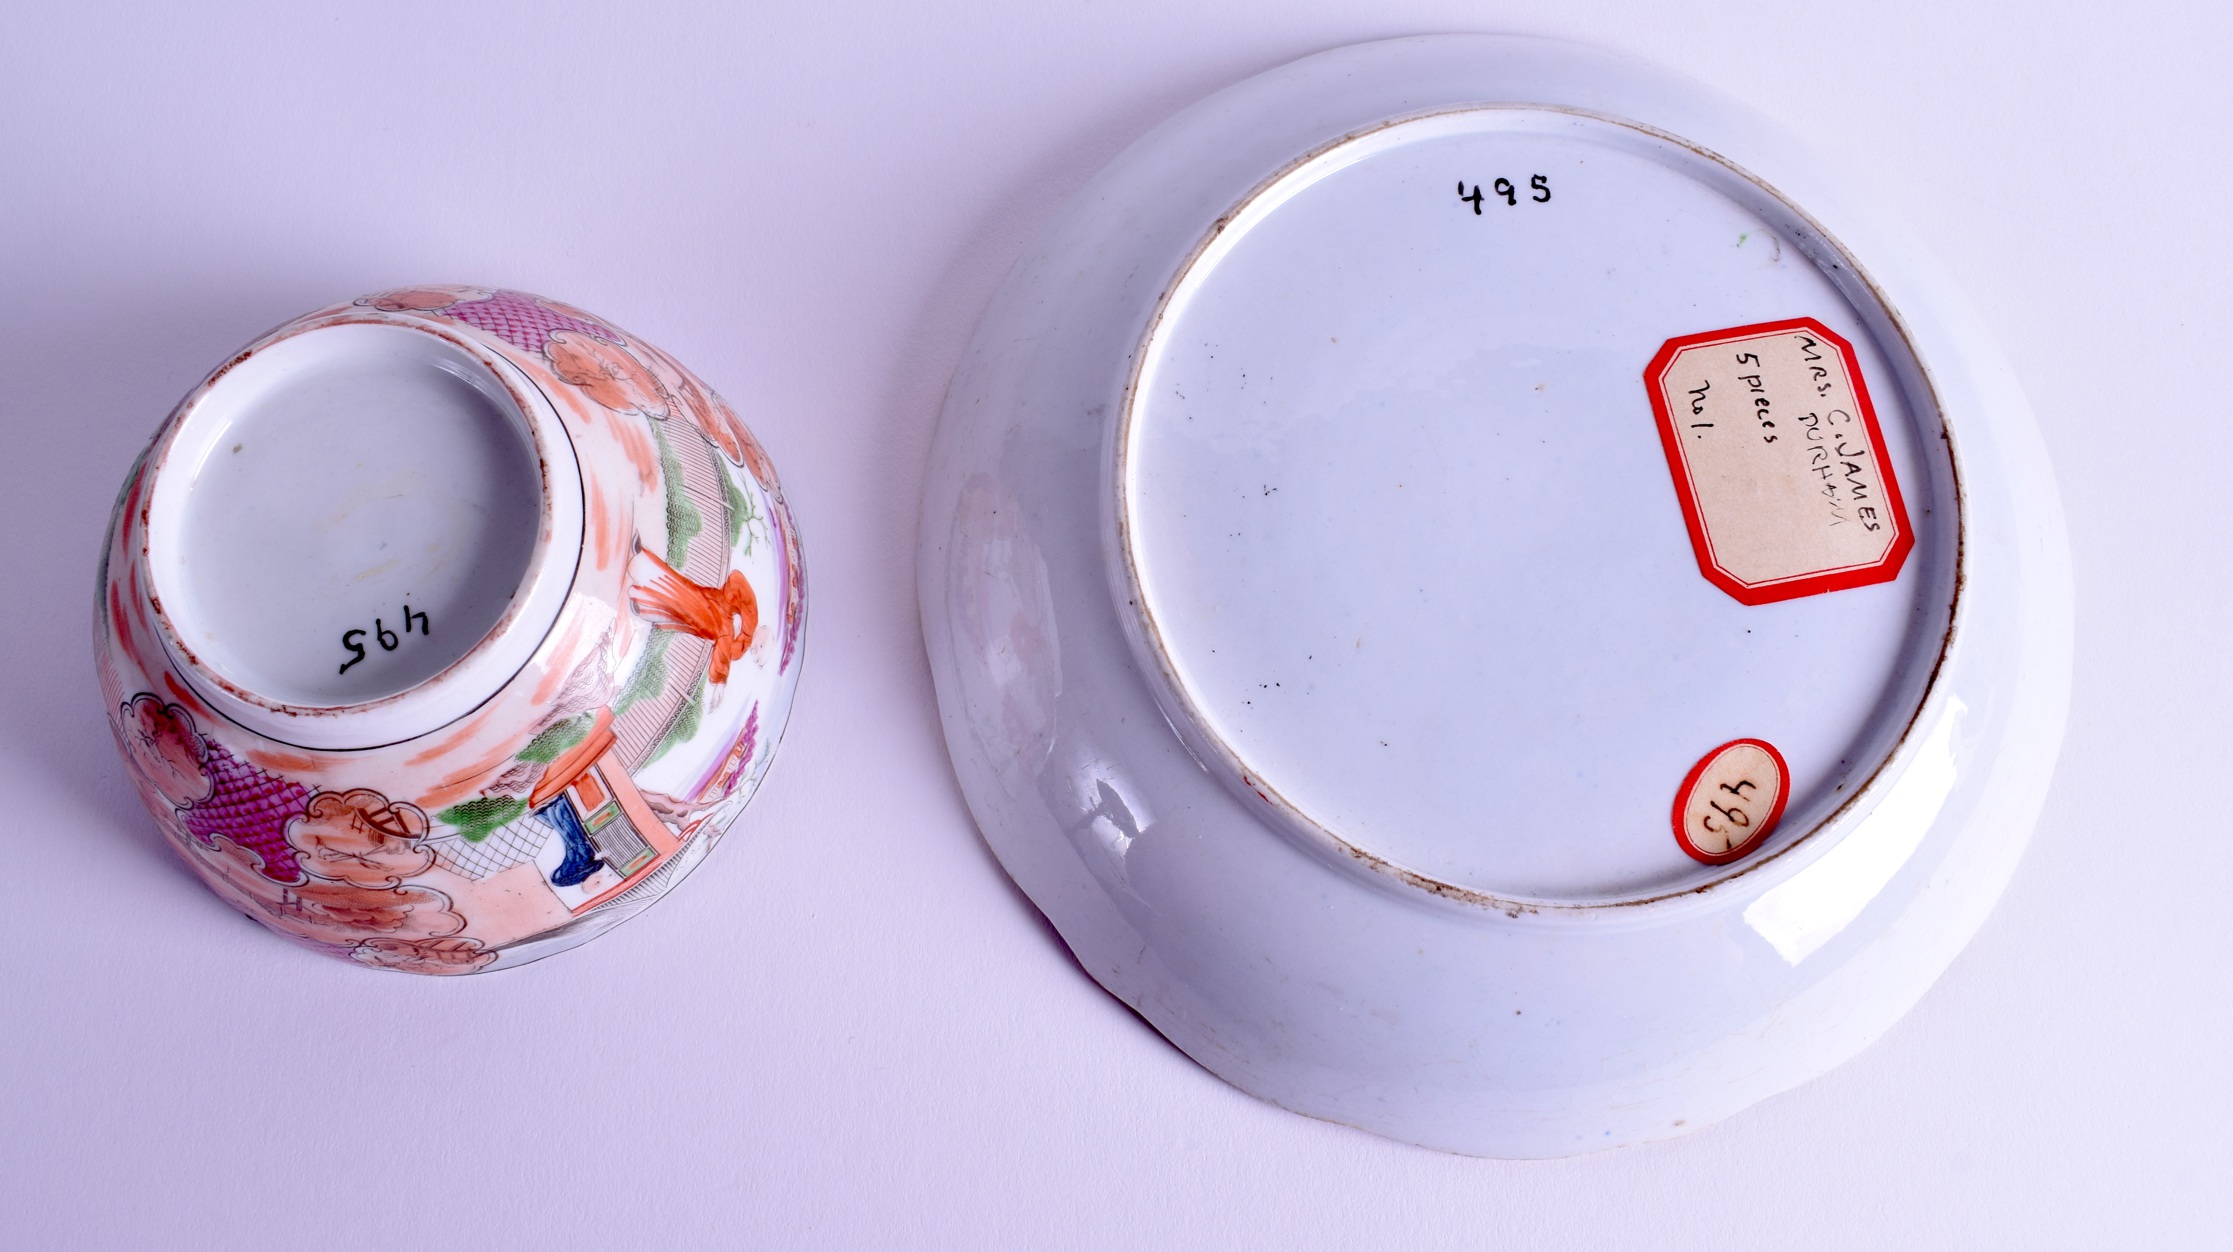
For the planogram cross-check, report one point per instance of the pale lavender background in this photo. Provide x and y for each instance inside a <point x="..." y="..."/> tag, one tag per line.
<point x="848" y="1030"/>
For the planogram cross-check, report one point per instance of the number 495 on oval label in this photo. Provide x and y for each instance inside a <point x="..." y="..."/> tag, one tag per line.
<point x="1731" y="800"/>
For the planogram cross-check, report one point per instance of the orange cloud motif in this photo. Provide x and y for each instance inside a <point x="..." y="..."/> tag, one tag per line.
<point x="754" y="458"/>
<point x="167" y="749"/>
<point x="735" y="438"/>
<point x="363" y="839"/>
<point x="607" y="373"/>
<point x="710" y="413"/>
<point x="425" y="956"/>
<point x="700" y="409"/>
<point x="356" y="849"/>
<point x="421" y="299"/>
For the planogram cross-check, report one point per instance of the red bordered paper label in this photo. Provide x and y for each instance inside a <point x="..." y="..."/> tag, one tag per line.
<point x="1778" y="461"/>
<point x="1730" y="801"/>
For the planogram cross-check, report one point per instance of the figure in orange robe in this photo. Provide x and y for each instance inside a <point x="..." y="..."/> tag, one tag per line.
<point x="727" y="615"/>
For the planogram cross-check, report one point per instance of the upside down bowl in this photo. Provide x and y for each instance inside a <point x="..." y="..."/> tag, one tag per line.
<point x="445" y="628"/>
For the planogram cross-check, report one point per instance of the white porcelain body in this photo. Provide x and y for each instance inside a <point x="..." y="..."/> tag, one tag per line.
<point x="1339" y="950"/>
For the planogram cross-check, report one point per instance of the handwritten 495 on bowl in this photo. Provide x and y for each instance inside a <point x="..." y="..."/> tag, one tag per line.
<point x="445" y="628"/>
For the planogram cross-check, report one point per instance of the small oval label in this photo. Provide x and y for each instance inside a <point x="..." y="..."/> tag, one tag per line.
<point x="1730" y="801"/>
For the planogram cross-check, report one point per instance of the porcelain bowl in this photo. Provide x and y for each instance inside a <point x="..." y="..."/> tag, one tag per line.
<point x="444" y="628"/>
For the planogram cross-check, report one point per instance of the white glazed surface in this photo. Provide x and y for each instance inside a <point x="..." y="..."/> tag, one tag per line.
<point x="1407" y="535"/>
<point x="348" y="483"/>
<point x="322" y="483"/>
<point x="1485" y="1019"/>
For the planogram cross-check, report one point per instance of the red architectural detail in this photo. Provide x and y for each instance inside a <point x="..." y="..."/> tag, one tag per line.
<point x="590" y="777"/>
